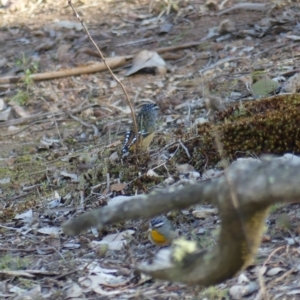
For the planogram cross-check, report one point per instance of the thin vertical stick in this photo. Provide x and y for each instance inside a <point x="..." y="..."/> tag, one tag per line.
<point x="109" y="69"/>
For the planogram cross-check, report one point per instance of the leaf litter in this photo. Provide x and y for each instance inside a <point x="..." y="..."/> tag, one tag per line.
<point x="44" y="149"/>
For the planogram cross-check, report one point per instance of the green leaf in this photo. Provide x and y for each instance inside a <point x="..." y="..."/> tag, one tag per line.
<point x="264" y="87"/>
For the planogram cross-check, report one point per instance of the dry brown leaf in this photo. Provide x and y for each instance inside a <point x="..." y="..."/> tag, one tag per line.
<point x="146" y="59"/>
<point x="117" y="187"/>
<point x="62" y="53"/>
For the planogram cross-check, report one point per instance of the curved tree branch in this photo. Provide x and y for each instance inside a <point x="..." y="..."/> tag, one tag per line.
<point x="254" y="184"/>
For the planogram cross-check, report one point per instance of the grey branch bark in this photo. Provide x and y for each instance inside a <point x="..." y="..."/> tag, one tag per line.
<point x="242" y="196"/>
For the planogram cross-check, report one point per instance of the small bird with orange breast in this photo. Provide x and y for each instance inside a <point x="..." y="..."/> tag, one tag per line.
<point x="161" y="231"/>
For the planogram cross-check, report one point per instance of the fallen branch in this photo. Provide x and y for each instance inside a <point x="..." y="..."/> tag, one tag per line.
<point x="255" y="184"/>
<point x="113" y="62"/>
<point x="161" y="50"/>
<point x="45" y="116"/>
<point x="262" y="7"/>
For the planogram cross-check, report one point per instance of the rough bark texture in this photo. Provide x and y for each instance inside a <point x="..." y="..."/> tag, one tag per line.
<point x="242" y="195"/>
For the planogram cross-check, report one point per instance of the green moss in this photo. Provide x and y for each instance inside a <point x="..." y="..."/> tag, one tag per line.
<point x="259" y="127"/>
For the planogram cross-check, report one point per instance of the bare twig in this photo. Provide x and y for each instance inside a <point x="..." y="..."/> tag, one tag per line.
<point x="219" y="62"/>
<point x="262" y="292"/>
<point x="96" y="131"/>
<point x="272" y="253"/>
<point x="180" y="47"/>
<point x="184" y="148"/>
<point x="167" y="160"/>
<point x="135" y="42"/>
<point x="44" y="116"/>
<point x="287" y="273"/>
<point x="107" y="181"/>
<point x="54" y="120"/>
<point x="247" y="6"/>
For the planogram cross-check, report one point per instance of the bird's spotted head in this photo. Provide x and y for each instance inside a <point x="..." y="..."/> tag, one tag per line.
<point x="157" y="222"/>
<point x="149" y="107"/>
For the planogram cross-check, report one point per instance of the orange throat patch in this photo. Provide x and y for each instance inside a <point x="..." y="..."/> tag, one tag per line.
<point x="158" y="238"/>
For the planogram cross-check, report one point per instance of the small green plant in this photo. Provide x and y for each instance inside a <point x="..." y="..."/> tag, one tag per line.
<point x="9" y="262"/>
<point x="213" y="293"/>
<point x="28" y="66"/>
<point x="241" y="111"/>
<point x="21" y="97"/>
<point x="44" y="186"/>
<point x="178" y="38"/>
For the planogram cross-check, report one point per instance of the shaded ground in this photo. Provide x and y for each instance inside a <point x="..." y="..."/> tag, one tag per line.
<point x="56" y="153"/>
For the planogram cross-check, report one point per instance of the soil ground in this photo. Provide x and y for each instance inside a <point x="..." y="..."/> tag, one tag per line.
<point x="58" y="137"/>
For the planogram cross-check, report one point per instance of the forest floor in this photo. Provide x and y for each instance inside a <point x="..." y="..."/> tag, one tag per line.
<point x="59" y="135"/>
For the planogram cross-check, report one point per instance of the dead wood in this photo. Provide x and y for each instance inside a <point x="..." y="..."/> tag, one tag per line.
<point x="262" y="7"/>
<point x="113" y="62"/>
<point x="254" y="184"/>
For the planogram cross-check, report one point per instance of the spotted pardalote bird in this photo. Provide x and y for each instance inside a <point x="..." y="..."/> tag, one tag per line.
<point x="161" y="231"/>
<point x="146" y="123"/>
